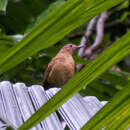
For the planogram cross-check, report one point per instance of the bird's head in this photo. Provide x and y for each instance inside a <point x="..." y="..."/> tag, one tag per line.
<point x="70" y="48"/>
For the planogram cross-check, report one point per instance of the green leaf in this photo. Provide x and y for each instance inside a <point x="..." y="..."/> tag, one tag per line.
<point x="93" y="91"/>
<point x="79" y="60"/>
<point x="110" y="56"/>
<point x="51" y="8"/>
<point x="114" y="114"/>
<point x="100" y="90"/>
<point x="57" y="24"/>
<point x="3" y="5"/>
<point x="21" y="13"/>
<point x="115" y="79"/>
<point x="43" y="15"/>
<point x="8" y="41"/>
<point x="125" y="4"/>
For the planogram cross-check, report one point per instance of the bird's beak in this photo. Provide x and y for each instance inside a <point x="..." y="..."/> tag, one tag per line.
<point x="80" y="46"/>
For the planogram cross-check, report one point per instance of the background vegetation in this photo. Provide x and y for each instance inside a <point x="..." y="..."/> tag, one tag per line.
<point x="32" y="32"/>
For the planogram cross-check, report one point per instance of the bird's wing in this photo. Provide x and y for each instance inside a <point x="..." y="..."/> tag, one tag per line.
<point x="46" y="74"/>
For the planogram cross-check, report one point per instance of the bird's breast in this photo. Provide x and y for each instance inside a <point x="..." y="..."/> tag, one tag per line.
<point x="63" y="70"/>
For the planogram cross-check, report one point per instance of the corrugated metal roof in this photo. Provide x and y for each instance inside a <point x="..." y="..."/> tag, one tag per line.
<point x="18" y="103"/>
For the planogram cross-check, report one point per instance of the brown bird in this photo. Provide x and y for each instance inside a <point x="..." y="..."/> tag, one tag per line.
<point x="61" y="68"/>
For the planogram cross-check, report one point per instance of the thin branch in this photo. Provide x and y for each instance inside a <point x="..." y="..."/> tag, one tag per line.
<point x="88" y="32"/>
<point x="100" y="34"/>
<point x="83" y="42"/>
<point x="88" y="53"/>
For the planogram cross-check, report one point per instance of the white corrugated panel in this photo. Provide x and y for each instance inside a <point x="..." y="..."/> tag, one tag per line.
<point x="18" y="102"/>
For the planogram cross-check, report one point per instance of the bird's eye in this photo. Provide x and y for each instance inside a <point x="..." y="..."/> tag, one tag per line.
<point x="70" y="45"/>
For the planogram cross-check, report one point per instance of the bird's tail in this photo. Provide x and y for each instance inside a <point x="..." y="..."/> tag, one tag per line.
<point x="45" y="86"/>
